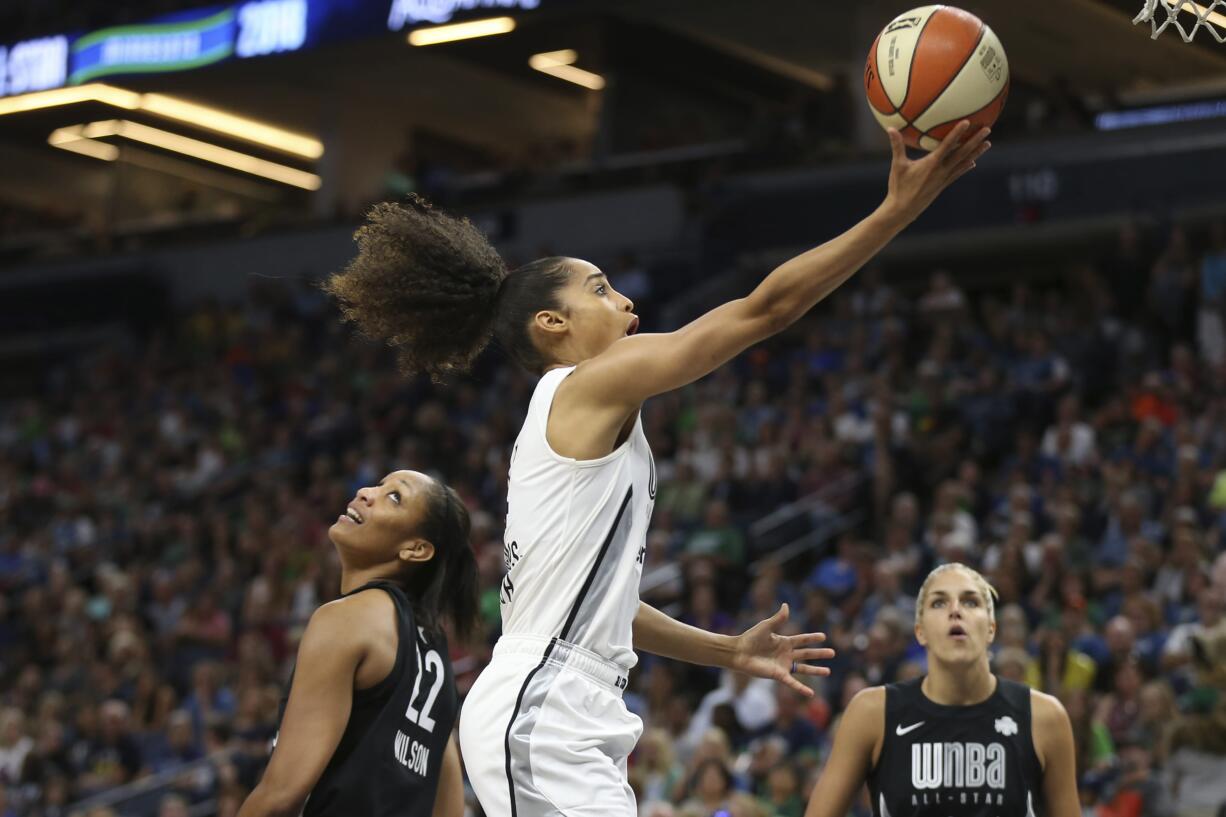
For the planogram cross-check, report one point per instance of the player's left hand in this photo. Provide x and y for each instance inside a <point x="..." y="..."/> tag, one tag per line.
<point x="762" y="652"/>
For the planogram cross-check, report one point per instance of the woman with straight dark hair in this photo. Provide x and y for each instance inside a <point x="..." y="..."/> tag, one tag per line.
<point x="372" y="703"/>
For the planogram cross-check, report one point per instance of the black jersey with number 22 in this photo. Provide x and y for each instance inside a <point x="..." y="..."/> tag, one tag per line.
<point x="957" y="761"/>
<point x="388" y="759"/>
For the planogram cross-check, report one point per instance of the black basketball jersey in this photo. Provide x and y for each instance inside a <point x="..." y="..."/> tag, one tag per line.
<point x="389" y="757"/>
<point x="957" y="761"/>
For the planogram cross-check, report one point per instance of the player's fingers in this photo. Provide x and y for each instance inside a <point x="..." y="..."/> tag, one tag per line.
<point x="961" y="171"/>
<point x="797" y="685"/>
<point x="897" y="147"/>
<point x="820" y="654"/>
<point x="782" y="615"/>
<point x="970" y="147"/>
<point x="968" y="164"/>
<point x="809" y="669"/>
<point x="806" y="638"/>
<point x="951" y="140"/>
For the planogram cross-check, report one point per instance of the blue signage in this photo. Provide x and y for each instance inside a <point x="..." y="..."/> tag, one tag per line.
<point x="33" y="65"/>
<point x="190" y="39"/>
<point x="413" y="12"/>
<point x="271" y="27"/>
<point x="154" y="47"/>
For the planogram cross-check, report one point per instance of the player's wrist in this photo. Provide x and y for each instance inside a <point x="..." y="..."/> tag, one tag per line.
<point x="731" y="652"/>
<point x="894" y="214"/>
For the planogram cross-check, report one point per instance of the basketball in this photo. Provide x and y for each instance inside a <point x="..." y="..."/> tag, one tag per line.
<point x="932" y="67"/>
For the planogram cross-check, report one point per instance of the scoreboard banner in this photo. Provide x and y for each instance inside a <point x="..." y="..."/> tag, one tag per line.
<point x="154" y="47"/>
<point x="203" y="36"/>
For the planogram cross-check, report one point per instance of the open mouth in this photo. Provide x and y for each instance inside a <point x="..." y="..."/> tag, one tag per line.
<point x="633" y="327"/>
<point x="957" y="632"/>
<point x="351" y="515"/>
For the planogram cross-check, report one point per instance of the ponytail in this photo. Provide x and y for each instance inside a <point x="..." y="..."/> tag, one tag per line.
<point x="446" y="586"/>
<point x="425" y="283"/>
<point x="433" y="288"/>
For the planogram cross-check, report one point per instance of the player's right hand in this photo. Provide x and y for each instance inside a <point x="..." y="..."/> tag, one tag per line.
<point x="915" y="183"/>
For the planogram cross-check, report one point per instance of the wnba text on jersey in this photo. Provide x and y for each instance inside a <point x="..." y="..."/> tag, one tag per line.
<point x="970" y="766"/>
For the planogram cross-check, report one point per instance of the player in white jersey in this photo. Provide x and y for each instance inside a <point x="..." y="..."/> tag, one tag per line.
<point x="544" y="730"/>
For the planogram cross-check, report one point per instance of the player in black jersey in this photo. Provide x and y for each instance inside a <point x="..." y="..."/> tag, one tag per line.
<point x="959" y="742"/>
<point x="367" y="726"/>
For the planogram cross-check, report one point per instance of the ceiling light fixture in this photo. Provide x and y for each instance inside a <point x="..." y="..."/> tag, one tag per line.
<point x="72" y="139"/>
<point x="250" y="130"/>
<point x="195" y="148"/>
<point x="560" y="64"/>
<point x="94" y="92"/>
<point x="461" y="31"/>
<point x="169" y="107"/>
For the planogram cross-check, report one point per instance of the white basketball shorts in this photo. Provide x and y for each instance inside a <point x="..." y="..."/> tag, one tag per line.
<point x="544" y="732"/>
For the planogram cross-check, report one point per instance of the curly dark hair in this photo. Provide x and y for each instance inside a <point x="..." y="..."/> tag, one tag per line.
<point x="433" y="288"/>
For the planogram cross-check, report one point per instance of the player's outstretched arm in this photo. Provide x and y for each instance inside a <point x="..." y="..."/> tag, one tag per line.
<point x="449" y="801"/>
<point x="1052" y="734"/>
<point x="640" y="366"/>
<point x="759" y="651"/>
<point x="315" y="716"/>
<point x="861" y="726"/>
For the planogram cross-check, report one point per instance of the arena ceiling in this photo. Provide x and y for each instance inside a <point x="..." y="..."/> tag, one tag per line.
<point x="364" y="96"/>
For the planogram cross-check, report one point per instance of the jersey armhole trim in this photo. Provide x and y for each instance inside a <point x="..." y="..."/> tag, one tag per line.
<point x="388" y="682"/>
<point x="543" y="428"/>
<point x="874" y="766"/>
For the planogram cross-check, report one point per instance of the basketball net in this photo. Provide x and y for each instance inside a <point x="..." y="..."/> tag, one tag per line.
<point x="1208" y="13"/>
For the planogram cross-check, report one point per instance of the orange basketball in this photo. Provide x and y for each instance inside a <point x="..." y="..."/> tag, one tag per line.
<point x="932" y="67"/>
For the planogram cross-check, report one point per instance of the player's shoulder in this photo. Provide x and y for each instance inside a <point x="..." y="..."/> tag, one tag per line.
<point x="1050" y="728"/>
<point x="1046" y="709"/>
<point x="352" y="616"/>
<point x="863" y="722"/>
<point x="867" y="706"/>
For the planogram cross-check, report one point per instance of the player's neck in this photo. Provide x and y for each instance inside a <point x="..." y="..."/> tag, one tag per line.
<point x="352" y="579"/>
<point x="962" y="687"/>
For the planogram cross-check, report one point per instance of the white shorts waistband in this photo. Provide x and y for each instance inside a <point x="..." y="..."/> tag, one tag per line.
<point x="561" y="653"/>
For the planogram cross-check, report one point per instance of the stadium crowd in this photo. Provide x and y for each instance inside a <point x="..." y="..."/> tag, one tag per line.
<point x="164" y="506"/>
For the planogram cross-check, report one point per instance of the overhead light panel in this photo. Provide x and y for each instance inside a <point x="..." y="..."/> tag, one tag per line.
<point x="194" y="148"/>
<point x="461" y="31"/>
<point x="250" y="130"/>
<point x="73" y="140"/>
<point x="94" y="92"/>
<point x="561" y="64"/>
<point x="169" y="107"/>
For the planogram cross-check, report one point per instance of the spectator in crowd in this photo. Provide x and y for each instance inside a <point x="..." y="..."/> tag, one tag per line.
<point x="656" y="774"/>
<point x="15" y="745"/>
<point x="782" y="797"/>
<point x="162" y="542"/>
<point x="710" y="787"/>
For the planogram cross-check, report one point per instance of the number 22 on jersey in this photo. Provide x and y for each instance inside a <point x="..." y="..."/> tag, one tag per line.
<point x="430" y="662"/>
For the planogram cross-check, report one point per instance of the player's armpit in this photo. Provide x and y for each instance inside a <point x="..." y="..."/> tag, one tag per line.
<point x="449" y="802"/>
<point x="315" y="717"/>
<point x="862" y="725"/>
<point x="1052" y="734"/>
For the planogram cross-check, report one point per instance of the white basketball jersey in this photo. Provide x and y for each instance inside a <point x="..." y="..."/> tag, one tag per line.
<point x="575" y="536"/>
